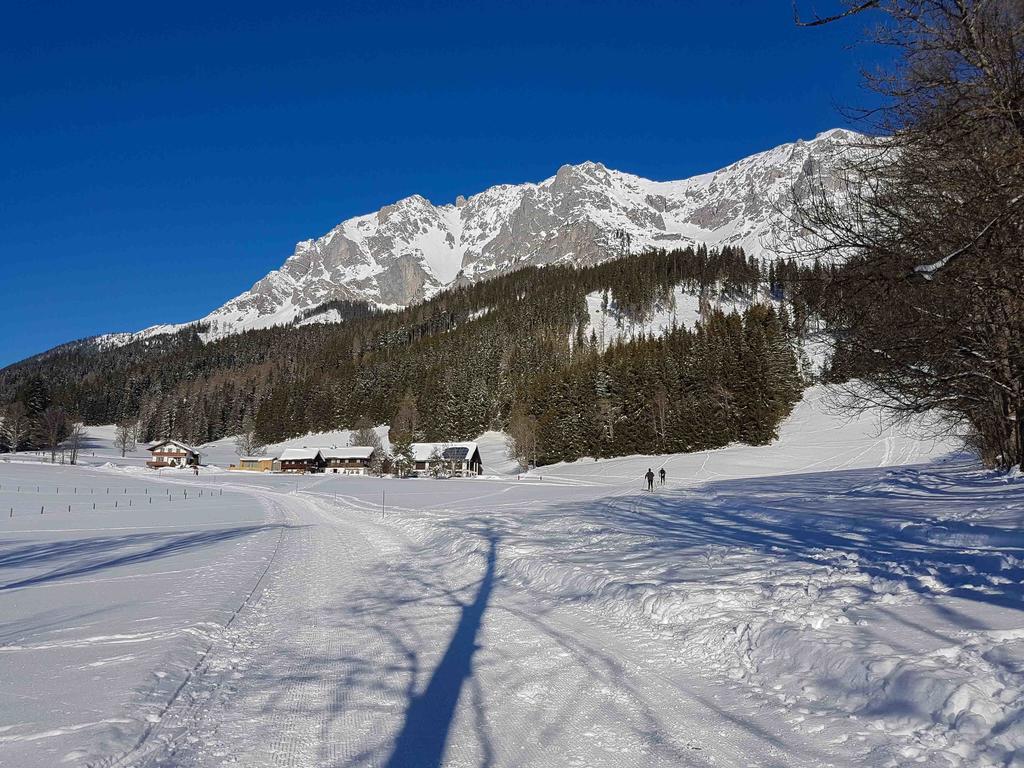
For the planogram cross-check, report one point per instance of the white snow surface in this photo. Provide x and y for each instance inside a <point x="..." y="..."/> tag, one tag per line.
<point x="682" y="309"/>
<point x="848" y="596"/>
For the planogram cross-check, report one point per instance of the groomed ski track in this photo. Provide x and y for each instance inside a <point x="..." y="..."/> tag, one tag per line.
<point x="341" y="658"/>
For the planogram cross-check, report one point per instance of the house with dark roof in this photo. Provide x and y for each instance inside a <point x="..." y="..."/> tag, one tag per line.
<point x="352" y="460"/>
<point x="446" y="459"/>
<point x="301" y="460"/>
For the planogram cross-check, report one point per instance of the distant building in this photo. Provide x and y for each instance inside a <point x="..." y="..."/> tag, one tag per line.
<point x="254" y="464"/>
<point x="450" y="459"/>
<point x="353" y="460"/>
<point x="172" y="453"/>
<point x="301" y="460"/>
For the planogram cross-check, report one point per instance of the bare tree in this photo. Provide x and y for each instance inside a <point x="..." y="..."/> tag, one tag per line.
<point x="246" y="442"/>
<point x="521" y="442"/>
<point x="365" y="435"/>
<point x="16" y="426"/>
<point x="76" y="436"/>
<point x="407" y="420"/>
<point x="52" y="427"/>
<point x="124" y="436"/>
<point x="929" y="310"/>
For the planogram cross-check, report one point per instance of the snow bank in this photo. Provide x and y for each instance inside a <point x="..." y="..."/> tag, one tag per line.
<point x="881" y="603"/>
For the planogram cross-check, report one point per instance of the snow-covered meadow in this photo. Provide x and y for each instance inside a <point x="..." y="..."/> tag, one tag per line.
<point x="112" y="587"/>
<point x="850" y="595"/>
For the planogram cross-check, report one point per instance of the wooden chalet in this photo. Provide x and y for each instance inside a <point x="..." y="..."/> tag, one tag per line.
<point x="302" y="460"/>
<point x="446" y="459"/>
<point x="254" y="464"/>
<point x="172" y="453"/>
<point x="353" y="460"/>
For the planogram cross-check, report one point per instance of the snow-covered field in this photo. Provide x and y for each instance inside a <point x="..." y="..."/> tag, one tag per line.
<point x="849" y="596"/>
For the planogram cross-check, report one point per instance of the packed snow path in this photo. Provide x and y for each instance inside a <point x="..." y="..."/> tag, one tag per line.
<point x="803" y="604"/>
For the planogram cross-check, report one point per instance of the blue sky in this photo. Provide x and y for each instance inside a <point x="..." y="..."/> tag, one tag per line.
<point x="158" y="159"/>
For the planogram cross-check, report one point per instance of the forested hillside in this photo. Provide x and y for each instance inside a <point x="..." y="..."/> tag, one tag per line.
<point x="515" y="351"/>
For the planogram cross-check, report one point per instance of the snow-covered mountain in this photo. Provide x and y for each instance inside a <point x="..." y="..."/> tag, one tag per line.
<point x="584" y="214"/>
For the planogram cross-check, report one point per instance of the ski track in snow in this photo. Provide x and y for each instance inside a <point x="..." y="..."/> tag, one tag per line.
<point x="822" y="601"/>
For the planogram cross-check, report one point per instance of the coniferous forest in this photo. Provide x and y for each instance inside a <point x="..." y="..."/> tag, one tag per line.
<point x="516" y="348"/>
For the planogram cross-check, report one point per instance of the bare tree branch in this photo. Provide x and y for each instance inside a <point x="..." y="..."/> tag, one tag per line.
<point x="929" y="270"/>
<point x="818" y="21"/>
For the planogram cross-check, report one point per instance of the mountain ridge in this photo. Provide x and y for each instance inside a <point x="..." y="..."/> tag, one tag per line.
<point x="586" y="213"/>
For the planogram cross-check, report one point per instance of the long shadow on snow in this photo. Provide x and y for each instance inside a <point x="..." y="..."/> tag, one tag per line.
<point x="385" y="629"/>
<point x="919" y="538"/>
<point x="100" y="553"/>
<point x="568" y="689"/>
<point x="905" y="525"/>
<point x="376" y="681"/>
<point x="428" y="718"/>
<point x="408" y="605"/>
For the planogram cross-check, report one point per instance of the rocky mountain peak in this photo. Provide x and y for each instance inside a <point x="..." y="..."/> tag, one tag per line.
<point x="585" y="213"/>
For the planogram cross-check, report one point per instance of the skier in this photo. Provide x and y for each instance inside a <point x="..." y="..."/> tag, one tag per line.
<point x="661" y="474"/>
<point x="650" y="479"/>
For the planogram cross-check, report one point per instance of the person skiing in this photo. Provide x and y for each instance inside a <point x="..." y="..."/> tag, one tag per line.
<point x="661" y="474"/>
<point x="650" y="479"/>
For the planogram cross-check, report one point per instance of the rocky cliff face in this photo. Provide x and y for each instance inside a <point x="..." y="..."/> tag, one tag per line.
<point x="583" y="214"/>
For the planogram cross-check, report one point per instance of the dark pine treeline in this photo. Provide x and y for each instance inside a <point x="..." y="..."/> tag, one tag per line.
<point x="466" y="358"/>
<point x="733" y="378"/>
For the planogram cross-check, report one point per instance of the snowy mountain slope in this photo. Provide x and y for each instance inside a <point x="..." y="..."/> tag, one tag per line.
<point x="683" y="309"/>
<point x="584" y="214"/>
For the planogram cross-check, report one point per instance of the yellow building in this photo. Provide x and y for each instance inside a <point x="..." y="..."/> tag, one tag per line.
<point x="254" y="464"/>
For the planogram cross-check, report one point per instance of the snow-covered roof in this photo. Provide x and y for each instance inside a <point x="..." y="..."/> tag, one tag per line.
<point x="349" y="452"/>
<point x="451" y="451"/>
<point x="299" y="454"/>
<point x="183" y="446"/>
<point x="255" y="458"/>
